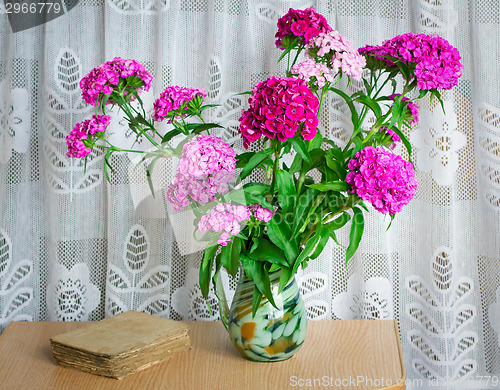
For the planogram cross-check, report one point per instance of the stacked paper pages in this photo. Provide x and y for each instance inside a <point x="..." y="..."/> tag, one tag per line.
<point x="120" y="345"/>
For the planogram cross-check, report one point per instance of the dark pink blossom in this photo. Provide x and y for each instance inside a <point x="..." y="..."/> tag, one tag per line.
<point x="278" y="107"/>
<point x="305" y="23"/>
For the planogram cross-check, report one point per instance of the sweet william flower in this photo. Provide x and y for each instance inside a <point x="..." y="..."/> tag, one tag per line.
<point x="106" y="77"/>
<point x="224" y="218"/>
<point x="338" y="53"/>
<point x="278" y="107"/>
<point x="261" y="213"/>
<point x="382" y="178"/>
<point x="437" y="62"/>
<point x="78" y="146"/>
<point x="205" y="168"/>
<point x="305" y="24"/>
<point x="310" y="68"/>
<point x="173" y="101"/>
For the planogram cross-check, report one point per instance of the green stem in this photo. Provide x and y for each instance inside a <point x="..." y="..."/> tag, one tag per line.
<point x="300" y="181"/>
<point x="276" y="145"/>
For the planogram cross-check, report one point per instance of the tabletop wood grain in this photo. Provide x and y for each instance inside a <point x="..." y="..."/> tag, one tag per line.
<point x="336" y="355"/>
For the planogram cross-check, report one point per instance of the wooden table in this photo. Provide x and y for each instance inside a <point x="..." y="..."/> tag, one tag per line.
<point x="336" y="355"/>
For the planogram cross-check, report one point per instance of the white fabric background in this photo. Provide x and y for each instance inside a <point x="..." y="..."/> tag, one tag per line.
<point x="72" y="246"/>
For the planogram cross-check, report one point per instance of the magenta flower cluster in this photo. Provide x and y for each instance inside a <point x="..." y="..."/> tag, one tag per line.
<point x="310" y="68"/>
<point x="173" y="99"/>
<point x="437" y="62"/>
<point x="413" y="107"/>
<point x="338" y="52"/>
<point x="305" y="23"/>
<point x="224" y="218"/>
<point x="382" y="178"/>
<point x="82" y="131"/>
<point x="206" y="166"/>
<point x="106" y="77"/>
<point x="278" y="107"/>
<point x="261" y="213"/>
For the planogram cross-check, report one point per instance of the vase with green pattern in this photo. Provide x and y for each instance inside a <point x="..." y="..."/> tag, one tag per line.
<point x="274" y="333"/>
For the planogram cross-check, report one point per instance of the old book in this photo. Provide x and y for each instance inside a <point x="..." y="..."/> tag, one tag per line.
<point x="120" y="345"/>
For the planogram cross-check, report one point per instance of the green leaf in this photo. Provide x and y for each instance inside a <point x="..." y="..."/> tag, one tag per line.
<point x="206" y="269"/>
<point x="331" y="186"/>
<point x="285" y="52"/>
<point x="254" y="162"/>
<point x="286" y="190"/>
<point x="300" y="147"/>
<point x="280" y="235"/>
<point x="256" y="299"/>
<point x="350" y="104"/>
<point x="317" y="158"/>
<point x="235" y="256"/>
<point x="324" y="235"/>
<point x="255" y="244"/>
<point x="106" y="164"/>
<point x="372" y="104"/>
<point x="390" y="223"/>
<point x="226" y="253"/>
<point x="256" y="188"/>
<point x="149" y="174"/>
<point x="304" y="203"/>
<point x="269" y="252"/>
<point x="308" y="248"/>
<point x="357" y="227"/>
<point x="296" y="165"/>
<point x="243" y="158"/>
<point x="316" y="142"/>
<point x="255" y="271"/>
<point x="335" y="166"/>
<point x="338" y="222"/>
<point x="199" y="127"/>
<point x="404" y="139"/>
<point x="171" y="134"/>
<point x="243" y="197"/>
<point x="285" y="276"/>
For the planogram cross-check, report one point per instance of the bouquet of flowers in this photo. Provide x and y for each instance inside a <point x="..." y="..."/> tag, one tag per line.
<point x="285" y="220"/>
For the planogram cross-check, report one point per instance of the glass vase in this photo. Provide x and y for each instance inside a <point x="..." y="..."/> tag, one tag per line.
<point x="273" y="334"/>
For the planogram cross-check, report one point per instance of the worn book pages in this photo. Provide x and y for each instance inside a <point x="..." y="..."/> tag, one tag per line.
<point x="120" y="345"/>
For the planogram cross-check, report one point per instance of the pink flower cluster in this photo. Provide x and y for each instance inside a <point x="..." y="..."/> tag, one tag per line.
<point x="411" y="106"/>
<point x="310" y="68"/>
<point x="277" y="107"/>
<point x="437" y="63"/>
<point x="338" y="52"/>
<point x="105" y="78"/>
<point x="82" y="131"/>
<point x="206" y="166"/>
<point x="382" y="178"/>
<point x="174" y="98"/>
<point x="261" y="213"/>
<point x="224" y="218"/>
<point x="305" y="23"/>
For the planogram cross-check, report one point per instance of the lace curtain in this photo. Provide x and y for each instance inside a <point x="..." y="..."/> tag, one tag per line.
<point x="75" y="247"/>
